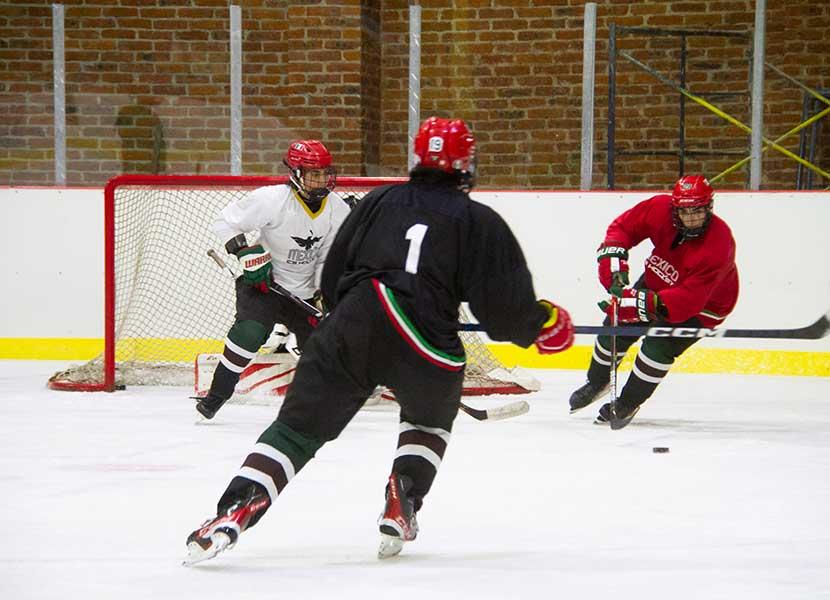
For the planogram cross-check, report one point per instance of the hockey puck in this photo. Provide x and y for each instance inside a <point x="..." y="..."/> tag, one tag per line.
<point x="659" y="449"/>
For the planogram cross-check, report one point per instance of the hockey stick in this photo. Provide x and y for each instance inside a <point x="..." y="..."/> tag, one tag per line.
<point x="506" y="411"/>
<point x="512" y="409"/>
<point x="273" y="286"/>
<point x="613" y="376"/>
<point x="814" y="331"/>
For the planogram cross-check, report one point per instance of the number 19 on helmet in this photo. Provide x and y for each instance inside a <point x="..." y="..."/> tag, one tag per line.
<point x="447" y="145"/>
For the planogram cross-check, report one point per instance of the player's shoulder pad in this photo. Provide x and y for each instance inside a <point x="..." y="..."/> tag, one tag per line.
<point x="660" y="200"/>
<point x="479" y="209"/>
<point x="337" y="199"/>
<point x="484" y="216"/>
<point x="272" y="193"/>
<point x="720" y="232"/>
<point x="267" y="197"/>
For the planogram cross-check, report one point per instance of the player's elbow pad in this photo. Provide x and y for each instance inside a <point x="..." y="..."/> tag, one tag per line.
<point x="235" y="244"/>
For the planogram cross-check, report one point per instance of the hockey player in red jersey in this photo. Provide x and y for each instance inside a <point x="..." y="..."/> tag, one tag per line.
<point x="399" y="267"/>
<point x="690" y="280"/>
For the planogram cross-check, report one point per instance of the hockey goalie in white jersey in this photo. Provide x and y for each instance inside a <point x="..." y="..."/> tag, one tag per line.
<point x="281" y="235"/>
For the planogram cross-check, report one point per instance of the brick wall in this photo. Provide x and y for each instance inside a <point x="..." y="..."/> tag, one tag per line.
<point x="147" y="86"/>
<point x="26" y="107"/>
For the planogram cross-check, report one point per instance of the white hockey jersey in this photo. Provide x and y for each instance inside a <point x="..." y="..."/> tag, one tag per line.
<point x="297" y="239"/>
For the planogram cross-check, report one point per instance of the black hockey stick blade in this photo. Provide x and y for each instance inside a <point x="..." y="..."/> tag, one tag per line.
<point x="813" y="331"/>
<point x="506" y="411"/>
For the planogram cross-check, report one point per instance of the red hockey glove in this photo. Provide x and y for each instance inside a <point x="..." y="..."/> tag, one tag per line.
<point x="612" y="259"/>
<point x="635" y="306"/>
<point x="256" y="267"/>
<point x="557" y="332"/>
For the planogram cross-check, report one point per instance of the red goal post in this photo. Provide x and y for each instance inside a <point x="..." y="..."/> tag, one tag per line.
<point x="166" y="301"/>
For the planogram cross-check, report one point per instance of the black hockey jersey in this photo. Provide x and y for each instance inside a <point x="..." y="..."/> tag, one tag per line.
<point x="435" y="248"/>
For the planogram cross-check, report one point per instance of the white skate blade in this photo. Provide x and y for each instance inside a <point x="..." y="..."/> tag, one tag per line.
<point x="390" y="545"/>
<point x="195" y="553"/>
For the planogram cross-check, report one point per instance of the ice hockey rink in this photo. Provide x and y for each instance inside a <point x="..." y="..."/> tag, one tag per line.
<point x="101" y="490"/>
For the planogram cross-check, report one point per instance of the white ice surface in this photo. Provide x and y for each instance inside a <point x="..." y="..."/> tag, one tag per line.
<point x="99" y="492"/>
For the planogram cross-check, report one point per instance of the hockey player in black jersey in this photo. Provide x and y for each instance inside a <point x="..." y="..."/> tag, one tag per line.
<point x="400" y="265"/>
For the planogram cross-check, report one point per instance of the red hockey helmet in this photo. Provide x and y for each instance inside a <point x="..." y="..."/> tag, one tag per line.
<point x="691" y="191"/>
<point x="447" y="145"/>
<point x="310" y="155"/>
<point x="691" y="200"/>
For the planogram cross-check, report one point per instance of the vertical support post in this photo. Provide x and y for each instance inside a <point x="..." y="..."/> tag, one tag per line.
<point x="236" y="90"/>
<point x="589" y="38"/>
<point x="757" y="124"/>
<point x="59" y="93"/>
<point x="815" y="130"/>
<point x="682" y="132"/>
<point x="612" y="99"/>
<point x="802" y="142"/>
<point x="414" y="78"/>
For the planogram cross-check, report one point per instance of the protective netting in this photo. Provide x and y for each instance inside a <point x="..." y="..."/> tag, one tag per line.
<point x="172" y="302"/>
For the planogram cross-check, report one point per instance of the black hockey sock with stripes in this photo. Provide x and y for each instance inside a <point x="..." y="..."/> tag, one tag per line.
<point x="652" y="363"/>
<point x="243" y="342"/>
<point x="646" y="375"/>
<point x="224" y="382"/>
<point x="599" y="372"/>
<point x="278" y="455"/>
<point x="419" y="455"/>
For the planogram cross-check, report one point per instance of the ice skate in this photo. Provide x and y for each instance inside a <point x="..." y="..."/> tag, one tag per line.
<point x="587" y="394"/>
<point x="221" y="532"/>
<point x="622" y="417"/>
<point x="209" y="406"/>
<point x="397" y="523"/>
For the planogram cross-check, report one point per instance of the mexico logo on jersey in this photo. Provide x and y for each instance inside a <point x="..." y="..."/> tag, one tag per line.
<point x="306" y="252"/>
<point x="663" y="269"/>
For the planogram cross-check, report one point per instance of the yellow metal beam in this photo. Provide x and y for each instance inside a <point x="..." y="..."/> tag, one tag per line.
<point x="792" y="131"/>
<point x="725" y="116"/>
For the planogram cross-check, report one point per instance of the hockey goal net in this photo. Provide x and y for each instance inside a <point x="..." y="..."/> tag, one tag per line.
<point x="167" y="302"/>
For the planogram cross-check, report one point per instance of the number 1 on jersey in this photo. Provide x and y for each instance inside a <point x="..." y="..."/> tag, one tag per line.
<point x="415" y="235"/>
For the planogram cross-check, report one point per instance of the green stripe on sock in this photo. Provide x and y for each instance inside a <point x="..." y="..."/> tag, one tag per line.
<point x="296" y="446"/>
<point x="249" y="335"/>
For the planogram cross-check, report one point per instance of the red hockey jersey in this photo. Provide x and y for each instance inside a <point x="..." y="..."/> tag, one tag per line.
<point x="696" y="278"/>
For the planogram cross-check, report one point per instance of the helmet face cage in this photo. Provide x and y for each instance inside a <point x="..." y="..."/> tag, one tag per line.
<point x="447" y="146"/>
<point x="310" y="155"/>
<point x="692" y="191"/>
